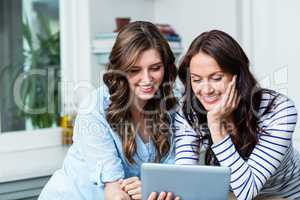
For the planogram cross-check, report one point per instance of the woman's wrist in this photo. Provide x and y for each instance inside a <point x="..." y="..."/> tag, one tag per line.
<point x="112" y="190"/>
<point x="217" y="129"/>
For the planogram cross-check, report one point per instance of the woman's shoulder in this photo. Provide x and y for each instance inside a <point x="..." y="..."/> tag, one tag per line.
<point x="273" y="102"/>
<point x="274" y="97"/>
<point x="96" y="102"/>
<point x="177" y="112"/>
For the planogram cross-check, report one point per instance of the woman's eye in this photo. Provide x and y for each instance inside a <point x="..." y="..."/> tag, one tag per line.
<point x="196" y="80"/>
<point x="133" y="71"/>
<point x="217" y="78"/>
<point x="156" y="68"/>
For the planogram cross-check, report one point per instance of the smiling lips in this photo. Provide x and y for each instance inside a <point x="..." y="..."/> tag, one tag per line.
<point x="209" y="99"/>
<point x="147" y="88"/>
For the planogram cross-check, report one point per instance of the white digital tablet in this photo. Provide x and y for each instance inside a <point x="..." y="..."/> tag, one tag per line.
<point x="189" y="182"/>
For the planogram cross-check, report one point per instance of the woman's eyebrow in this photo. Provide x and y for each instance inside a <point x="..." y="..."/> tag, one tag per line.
<point x="208" y="75"/>
<point x="154" y="64"/>
<point x="135" y="66"/>
<point x="216" y="73"/>
<point x="157" y="63"/>
<point x="195" y="75"/>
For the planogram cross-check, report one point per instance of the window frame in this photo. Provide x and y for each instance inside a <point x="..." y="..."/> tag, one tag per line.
<point x="75" y="44"/>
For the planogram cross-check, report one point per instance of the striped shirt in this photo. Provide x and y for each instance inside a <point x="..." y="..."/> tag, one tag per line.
<point x="272" y="169"/>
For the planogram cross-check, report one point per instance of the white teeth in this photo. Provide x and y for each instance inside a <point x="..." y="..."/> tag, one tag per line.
<point x="143" y="83"/>
<point x="146" y="86"/>
<point x="210" y="98"/>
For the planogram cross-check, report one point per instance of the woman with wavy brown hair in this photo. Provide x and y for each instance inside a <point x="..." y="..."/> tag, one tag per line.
<point x="239" y="124"/>
<point x="122" y="124"/>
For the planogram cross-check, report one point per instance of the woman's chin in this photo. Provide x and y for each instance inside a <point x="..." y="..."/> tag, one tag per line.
<point x="209" y="106"/>
<point x="141" y="96"/>
<point x="145" y="97"/>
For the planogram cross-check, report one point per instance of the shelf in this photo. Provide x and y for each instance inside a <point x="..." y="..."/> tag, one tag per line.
<point x="103" y="43"/>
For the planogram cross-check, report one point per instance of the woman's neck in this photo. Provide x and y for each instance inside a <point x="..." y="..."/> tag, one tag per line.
<point x="139" y="122"/>
<point x="137" y="115"/>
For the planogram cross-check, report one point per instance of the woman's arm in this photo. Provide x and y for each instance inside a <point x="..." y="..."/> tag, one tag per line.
<point x="94" y="141"/>
<point x="248" y="177"/>
<point x="113" y="191"/>
<point x="95" y="144"/>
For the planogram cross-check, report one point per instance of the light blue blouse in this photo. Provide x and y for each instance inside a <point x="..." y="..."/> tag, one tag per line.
<point x="96" y="155"/>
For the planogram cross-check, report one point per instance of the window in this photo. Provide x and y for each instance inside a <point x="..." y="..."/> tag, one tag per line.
<point x="75" y="66"/>
<point x="29" y="64"/>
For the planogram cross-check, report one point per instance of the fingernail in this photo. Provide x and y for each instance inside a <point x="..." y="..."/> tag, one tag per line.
<point x="161" y="195"/>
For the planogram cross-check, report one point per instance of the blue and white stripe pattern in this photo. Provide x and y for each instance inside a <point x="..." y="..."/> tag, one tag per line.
<point x="272" y="169"/>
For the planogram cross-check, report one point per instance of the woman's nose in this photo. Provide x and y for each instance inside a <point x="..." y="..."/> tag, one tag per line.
<point x="207" y="88"/>
<point x="146" y="77"/>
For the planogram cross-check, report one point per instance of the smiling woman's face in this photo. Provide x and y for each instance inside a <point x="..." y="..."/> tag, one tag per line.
<point x="146" y="75"/>
<point x="208" y="81"/>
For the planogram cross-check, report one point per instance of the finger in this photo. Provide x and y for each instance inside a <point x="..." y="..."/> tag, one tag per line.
<point x="133" y="185"/>
<point x="231" y="97"/>
<point x="227" y="93"/>
<point x="129" y="181"/>
<point x="162" y="196"/>
<point x="135" y="191"/>
<point x="137" y="196"/>
<point x="152" y="196"/>
<point x="232" y="100"/>
<point x="230" y="91"/>
<point x="169" y="196"/>
<point x="234" y="77"/>
<point x="235" y="100"/>
<point x="238" y="100"/>
<point x="177" y="198"/>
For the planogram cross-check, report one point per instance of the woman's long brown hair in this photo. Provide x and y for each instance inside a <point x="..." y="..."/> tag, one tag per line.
<point x="232" y="59"/>
<point x="131" y="41"/>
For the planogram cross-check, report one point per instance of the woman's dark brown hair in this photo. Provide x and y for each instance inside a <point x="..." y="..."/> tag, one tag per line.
<point x="231" y="59"/>
<point x="132" y="40"/>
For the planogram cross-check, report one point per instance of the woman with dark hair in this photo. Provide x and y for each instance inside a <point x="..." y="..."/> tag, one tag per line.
<point x="239" y="124"/>
<point x="122" y="124"/>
